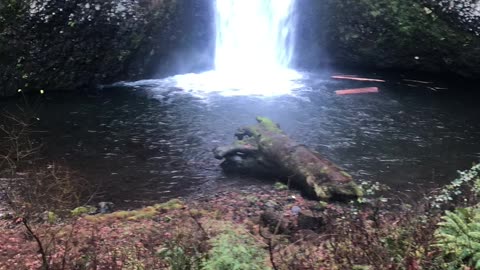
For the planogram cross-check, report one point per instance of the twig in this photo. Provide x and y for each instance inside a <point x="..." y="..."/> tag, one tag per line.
<point x="45" y="265"/>
<point x="270" y="239"/>
<point x="270" y="248"/>
<point x="70" y="236"/>
<point x="200" y="226"/>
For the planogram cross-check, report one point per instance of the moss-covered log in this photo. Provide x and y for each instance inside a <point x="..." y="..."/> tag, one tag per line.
<point x="266" y="148"/>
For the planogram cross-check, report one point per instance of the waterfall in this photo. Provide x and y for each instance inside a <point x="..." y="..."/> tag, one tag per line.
<point x="254" y="47"/>
<point x="253" y="35"/>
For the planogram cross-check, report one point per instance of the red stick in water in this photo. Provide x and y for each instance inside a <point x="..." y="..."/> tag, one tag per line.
<point x="356" y="79"/>
<point x="357" y="91"/>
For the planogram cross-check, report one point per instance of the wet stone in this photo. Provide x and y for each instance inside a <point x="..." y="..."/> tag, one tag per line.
<point x="275" y="221"/>
<point x="308" y="220"/>
<point x="105" y="207"/>
<point x="296" y="210"/>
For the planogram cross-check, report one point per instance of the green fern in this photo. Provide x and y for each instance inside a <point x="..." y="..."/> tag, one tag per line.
<point x="458" y="236"/>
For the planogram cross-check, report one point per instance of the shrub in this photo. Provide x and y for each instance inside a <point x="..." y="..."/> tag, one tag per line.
<point x="235" y="251"/>
<point x="465" y="188"/>
<point x="458" y="237"/>
<point x="178" y="259"/>
<point x="47" y="188"/>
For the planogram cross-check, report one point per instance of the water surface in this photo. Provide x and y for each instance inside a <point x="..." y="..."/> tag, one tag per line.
<point x="152" y="141"/>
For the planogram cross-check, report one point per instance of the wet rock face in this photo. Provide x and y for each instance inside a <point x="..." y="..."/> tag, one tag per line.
<point x="466" y="12"/>
<point x="76" y="44"/>
<point x="195" y="40"/>
<point x="402" y="34"/>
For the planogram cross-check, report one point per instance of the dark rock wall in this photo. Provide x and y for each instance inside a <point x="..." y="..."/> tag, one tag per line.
<point x="401" y="34"/>
<point x="196" y="44"/>
<point x="77" y="44"/>
<point x="465" y="13"/>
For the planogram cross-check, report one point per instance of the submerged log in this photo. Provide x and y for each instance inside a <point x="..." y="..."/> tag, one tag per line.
<point x="265" y="148"/>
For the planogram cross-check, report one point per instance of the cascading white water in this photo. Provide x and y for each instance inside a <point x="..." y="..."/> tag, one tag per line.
<point x="254" y="47"/>
<point x="253" y="35"/>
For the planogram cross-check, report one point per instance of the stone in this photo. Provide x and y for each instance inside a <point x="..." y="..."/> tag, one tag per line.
<point x="105" y="207"/>
<point x="308" y="220"/>
<point x="296" y="210"/>
<point x="6" y="216"/>
<point x="275" y="221"/>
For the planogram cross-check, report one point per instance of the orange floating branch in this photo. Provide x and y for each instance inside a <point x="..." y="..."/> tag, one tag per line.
<point x="357" y="91"/>
<point x="357" y="79"/>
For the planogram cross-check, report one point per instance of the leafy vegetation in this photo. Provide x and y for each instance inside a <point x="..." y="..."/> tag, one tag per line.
<point x="234" y="251"/>
<point x="458" y="237"/>
<point x="229" y="230"/>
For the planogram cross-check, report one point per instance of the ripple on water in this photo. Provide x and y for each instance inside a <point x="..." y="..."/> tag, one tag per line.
<point x="155" y="142"/>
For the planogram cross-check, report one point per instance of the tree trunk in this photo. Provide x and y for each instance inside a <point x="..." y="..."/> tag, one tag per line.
<point x="265" y="148"/>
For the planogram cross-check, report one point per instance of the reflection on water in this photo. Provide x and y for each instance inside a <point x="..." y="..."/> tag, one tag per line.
<point x="148" y="141"/>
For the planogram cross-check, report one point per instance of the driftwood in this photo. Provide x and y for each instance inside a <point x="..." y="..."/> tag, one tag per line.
<point x="339" y="77"/>
<point x="357" y="91"/>
<point x="265" y="148"/>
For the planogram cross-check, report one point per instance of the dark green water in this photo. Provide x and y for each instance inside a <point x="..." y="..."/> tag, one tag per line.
<point x="153" y="142"/>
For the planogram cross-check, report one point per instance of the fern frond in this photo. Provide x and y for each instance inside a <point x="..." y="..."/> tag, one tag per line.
<point x="458" y="236"/>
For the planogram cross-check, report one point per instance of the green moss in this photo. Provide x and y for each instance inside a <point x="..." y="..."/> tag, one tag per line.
<point x="120" y="214"/>
<point x="268" y="124"/>
<point x="198" y="212"/>
<point x="82" y="210"/>
<point x="362" y="267"/>
<point x="144" y="213"/>
<point x="349" y="190"/>
<point x="51" y="217"/>
<point x="321" y="205"/>
<point x="346" y="174"/>
<point x="322" y="193"/>
<point x="357" y="190"/>
<point x="235" y="249"/>
<point x="170" y="205"/>
<point x="252" y="198"/>
<point x="280" y="186"/>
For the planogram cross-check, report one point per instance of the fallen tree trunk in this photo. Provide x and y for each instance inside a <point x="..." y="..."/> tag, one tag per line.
<point x="265" y="148"/>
